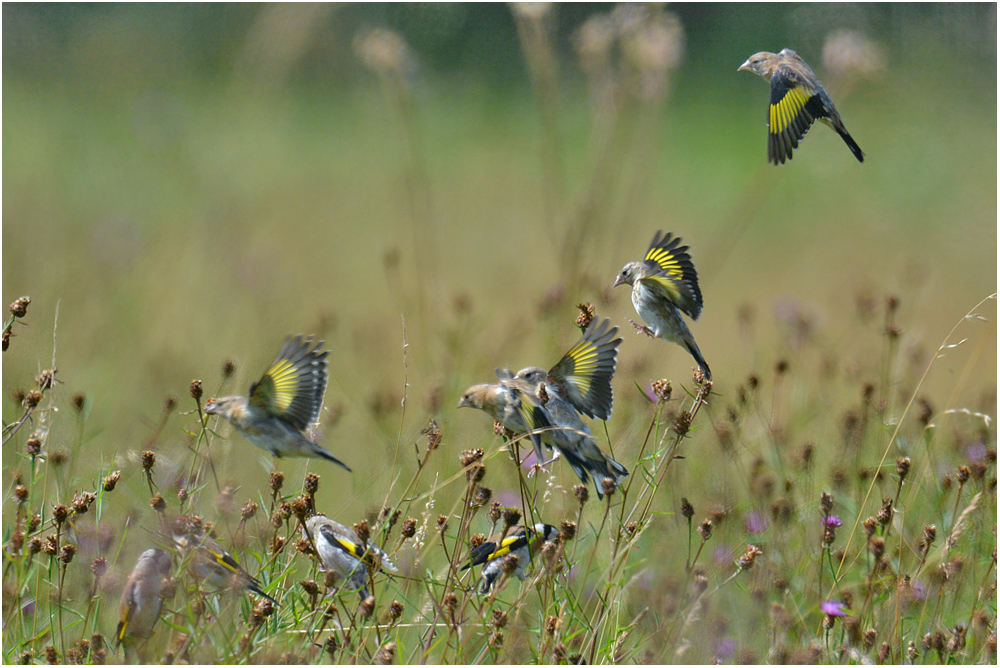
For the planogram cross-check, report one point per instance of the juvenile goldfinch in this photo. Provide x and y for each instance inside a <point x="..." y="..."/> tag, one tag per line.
<point x="142" y="598"/>
<point x="548" y="417"/>
<point x="341" y="550"/>
<point x="208" y="561"/>
<point x="284" y="403"/>
<point x="797" y="99"/>
<point x="519" y="544"/>
<point x="663" y="285"/>
<point x="583" y="375"/>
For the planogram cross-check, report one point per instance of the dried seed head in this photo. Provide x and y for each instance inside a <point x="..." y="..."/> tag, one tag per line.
<point x="877" y="546"/>
<point x="868" y="639"/>
<point x="682" y="423"/>
<point x="228" y="368"/>
<point x="551" y="624"/>
<point x="705" y="529"/>
<point x="496" y="511"/>
<point x="630" y="529"/>
<point x="825" y="503"/>
<point x="20" y="494"/>
<point x="60" y="513"/>
<point x="781" y="367"/>
<point x="582" y="494"/>
<point x="499" y="619"/>
<point x="449" y="602"/>
<point x="884" y="515"/>
<point x="311" y="484"/>
<point x="32" y="398"/>
<point x="746" y="561"/>
<point x="67" y="553"/>
<point x="169" y="404"/>
<point x="35" y="545"/>
<point x="195" y="390"/>
<point x="33" y="446"/>
<point x="395" y="610"/>
<point x="367" y="607"/>
<point x="96" y="642"/>
<point x="81" y="502"/>
<point x="364" y="533"/>
<point x="911" y="650"/>
<point x="511" y="516"/>
<point x="687" y="510"/>
<point x="509" y="563"/>
<point x="34" y="522"/>
<point x="19" y="307"/>
<point x="158" y="503"/>
<point x="925" y="412"/>
<point x="44" y="379"/>
<point x="182" y="495"/>
<point x="301" y="507"/>
<point x="310" y="587"/>
<point x="700" y="583"/>
<point x="586" y="315"/>
<point x="248" y="511"/>
<point x="477" y="540"/>
<point x="51" y="656"/>
<point x="433" y="433"/>
<point x="285" y="510"/>
<point x="409" y="528"/>
<point x="608" y="486"/>
<point x="870" y="525"/>
<point x="482" y="497"/>
<point x="111" y="480"/>
<point x="386" y="654"/>
<point x="302" y="545"/>
<point x="567" y="531"/>
<point x="275" y="481"/>
<point x="148" y="460"/>
<point x="330" y="579"/>
<point x="963" y="474"/>
<point x="559" y="653"/>
<point x="662" y="389"/>
<point x="442" y="523"/>
<point x="903" y="467"/>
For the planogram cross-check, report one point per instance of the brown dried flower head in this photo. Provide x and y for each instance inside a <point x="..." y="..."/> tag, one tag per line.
<point x="19" y="307"/>
<point x="111" y="480"/>
<point x="158" y="503"/>
<point x="586" y="315"/>
<point x="195" y="390"/>
<point x="367" y="607"/>
<point x="409" y="527"/>
<point x="567" y="531"/>
<point x="687" y="510"/>
<point x="364" y="533"/>
<point x="311" y="484"/>
<point x="662" y="390"/>
<point x="499" y="618"/>
<point x="442" y="523"/>
<point x="276" y="481"/>
<point x="248" y="511"/>
<point x="511" y="516"/>
<point x="81" y="502"/>
<point x="482" y="497"/>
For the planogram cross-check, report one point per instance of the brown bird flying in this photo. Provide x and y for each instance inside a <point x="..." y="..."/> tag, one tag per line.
<point x="797" y="99"/>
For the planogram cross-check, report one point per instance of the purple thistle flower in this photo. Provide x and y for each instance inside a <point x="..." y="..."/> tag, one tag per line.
<point x="831" y="521"/>
<point x="833" y="608"/>
<point x="755" y="522"/>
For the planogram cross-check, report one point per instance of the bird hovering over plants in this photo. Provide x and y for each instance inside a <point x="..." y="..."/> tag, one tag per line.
<point x="284" y="403"/>
<point x="797" y="99"/>
<point x="664" y="285"/>
<point x="544" y="404"/>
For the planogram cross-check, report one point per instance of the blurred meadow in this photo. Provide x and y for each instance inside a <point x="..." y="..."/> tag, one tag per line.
<point x="432" y="189"/>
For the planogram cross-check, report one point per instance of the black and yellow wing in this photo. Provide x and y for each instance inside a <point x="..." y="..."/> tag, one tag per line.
<point x="585" y="371"/>
<point x="293" y="386"/>
<point x="369" y="557"/>
<point x="672" y="274"/>
<point x="795" y="105"/>
<point x="489" y="551"/>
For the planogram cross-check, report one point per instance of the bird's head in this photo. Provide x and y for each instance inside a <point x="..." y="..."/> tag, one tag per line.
<point x="223" y="406"/>
<point x="629" y="273"/>
<point x="762" y="63"/>
<point x="476" y="396"/>
<point x="533" y="375"/>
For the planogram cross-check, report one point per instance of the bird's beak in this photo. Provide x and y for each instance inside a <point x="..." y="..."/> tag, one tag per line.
<point x="745" y="66"/>
<point x="618" y="281"/>
<point x="462" y="403"/>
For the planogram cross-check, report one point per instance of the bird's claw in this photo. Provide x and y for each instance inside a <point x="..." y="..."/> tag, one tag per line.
<point x="641" y="329"/>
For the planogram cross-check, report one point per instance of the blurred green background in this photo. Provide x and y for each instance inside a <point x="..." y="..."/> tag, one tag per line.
<point x="190" y="183"/>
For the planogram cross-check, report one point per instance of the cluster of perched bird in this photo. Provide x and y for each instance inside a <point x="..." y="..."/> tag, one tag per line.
<point x="546" y="406"/>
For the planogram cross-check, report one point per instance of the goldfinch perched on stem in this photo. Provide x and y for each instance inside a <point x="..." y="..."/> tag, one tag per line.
<point x="797" y="99"/>
<point x="664" y="285"/>
<point x="284" y="403"/>
<point x="520" y="544"/>
<point x="207" y="560"/>
<point x="342" y="551"/>
<point x="142" y="598"/>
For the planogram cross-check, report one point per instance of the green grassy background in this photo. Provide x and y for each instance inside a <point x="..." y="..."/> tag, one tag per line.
<point x="183" y="208"/>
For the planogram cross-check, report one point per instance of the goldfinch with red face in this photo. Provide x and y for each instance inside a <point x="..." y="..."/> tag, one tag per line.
<point x="664" y="285"/>
<point x="284" y="403"/>
<point x="797" y="99"/>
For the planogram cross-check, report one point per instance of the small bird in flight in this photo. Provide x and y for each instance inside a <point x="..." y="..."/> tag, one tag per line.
<point x="797" y="99"/>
